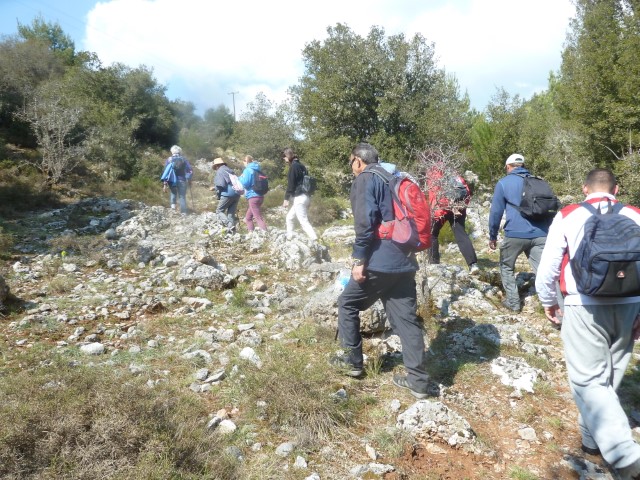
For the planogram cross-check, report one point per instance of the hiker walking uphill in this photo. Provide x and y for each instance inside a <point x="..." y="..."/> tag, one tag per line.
<point x="228" y="197"/>
<point x="254" y="198"/>
<point x="521" y="234"/>
<point x="449" y="196"/>
<point x="598" y="331"/>
<point x="381" y="269"/>
<point x="294" y="194"/>
<point x="177" y="176"/>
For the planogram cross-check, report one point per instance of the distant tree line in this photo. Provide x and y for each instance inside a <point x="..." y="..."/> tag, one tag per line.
<point x="115" y="121"/>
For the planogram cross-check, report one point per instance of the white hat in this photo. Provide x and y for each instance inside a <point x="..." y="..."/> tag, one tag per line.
<point x="218" y="161"/>
<point x="176" y="150"/>
<point x="514" y="158"/>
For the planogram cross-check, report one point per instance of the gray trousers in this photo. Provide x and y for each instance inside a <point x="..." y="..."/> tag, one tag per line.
<point x="509" y="251"/>
<point x="397" y="291"/>
<point x="598" y="345"/>
<point x="226" y="211"/>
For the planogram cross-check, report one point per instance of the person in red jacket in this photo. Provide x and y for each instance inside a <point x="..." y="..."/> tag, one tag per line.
<point x="449" y="196"/>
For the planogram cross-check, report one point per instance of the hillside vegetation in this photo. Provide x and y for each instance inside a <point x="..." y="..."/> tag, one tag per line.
<point x="137" y="343"/>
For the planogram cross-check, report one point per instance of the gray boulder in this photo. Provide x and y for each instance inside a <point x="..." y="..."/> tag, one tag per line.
<point x="197" y="274"/>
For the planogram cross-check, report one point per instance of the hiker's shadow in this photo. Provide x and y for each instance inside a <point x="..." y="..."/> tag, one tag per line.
<point x="459" y="342"/>
<point x="453" y="343"/>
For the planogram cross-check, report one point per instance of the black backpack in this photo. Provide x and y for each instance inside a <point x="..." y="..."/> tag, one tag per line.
<point x="457" y="189"/>
<point x="607" y="260"/>
<point x="260" y="183"/>
<point x="179" y="164"/>
<point x="309" y="183"/>
<point x="538" y="202"/>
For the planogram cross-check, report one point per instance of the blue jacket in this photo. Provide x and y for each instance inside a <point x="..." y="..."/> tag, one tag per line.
<point x="170" y="176"/>
<point x="509" y="189"/>
<point x="246" y="179"/>
<point x="371" y="203"/>
<point x="222" y="182"/>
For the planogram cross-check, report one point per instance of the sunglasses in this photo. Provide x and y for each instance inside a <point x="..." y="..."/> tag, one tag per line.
<point x="352" y="160"/>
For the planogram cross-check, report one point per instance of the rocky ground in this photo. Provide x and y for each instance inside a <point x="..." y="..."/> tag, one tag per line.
<point x="93" y="279"/>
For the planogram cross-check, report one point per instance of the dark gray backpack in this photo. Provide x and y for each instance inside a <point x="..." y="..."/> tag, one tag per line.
<point x="538" y="202"/>
<point x="607" y="260"/>
<point x="309" y="184"/>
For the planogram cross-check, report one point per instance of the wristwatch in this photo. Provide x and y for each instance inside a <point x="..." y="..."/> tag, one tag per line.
<point x="356" y="262"/>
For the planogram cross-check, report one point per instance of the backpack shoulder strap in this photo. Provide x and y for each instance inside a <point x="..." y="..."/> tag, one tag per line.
<point x="612" y="208"/>
<point x="387" y="178"/>
<point x="523" y="176"/>
<point x="617" y="207"/>
<point x="593" y="210"/>
<point x="380" y="172"/>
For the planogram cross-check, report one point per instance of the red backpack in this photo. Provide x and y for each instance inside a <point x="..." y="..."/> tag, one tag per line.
<point x="411" y="226"/>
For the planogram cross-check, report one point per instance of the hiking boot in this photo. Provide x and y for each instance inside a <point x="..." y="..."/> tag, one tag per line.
<point x="342" y="362"/>
<point x="631" y="472"/>
<point x="402" y="382"/>
<point x="474" y="269"/>
<point x="173" y="206"/>
<point x="509" y="307"/>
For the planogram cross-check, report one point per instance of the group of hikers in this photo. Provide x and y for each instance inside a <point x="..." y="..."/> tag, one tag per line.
<point x="594" y="299"/>
<point x="252" y="183"/>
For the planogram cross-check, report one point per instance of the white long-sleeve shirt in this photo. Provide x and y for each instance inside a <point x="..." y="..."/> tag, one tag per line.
<point x="563" y="240"/>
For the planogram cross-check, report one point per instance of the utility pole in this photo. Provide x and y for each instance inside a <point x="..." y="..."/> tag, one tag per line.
<point x="233" y="95"/>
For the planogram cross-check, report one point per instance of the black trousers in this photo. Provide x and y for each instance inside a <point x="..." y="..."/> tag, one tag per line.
<point x="397" y="291"/>
<point x="460" y="234"/>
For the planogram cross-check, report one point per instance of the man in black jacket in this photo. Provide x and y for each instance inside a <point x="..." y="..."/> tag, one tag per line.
<point x="381" y="269"/>
<point x="294" y="194"/>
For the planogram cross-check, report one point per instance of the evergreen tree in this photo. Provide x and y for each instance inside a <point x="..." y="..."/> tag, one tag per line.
<point x="600" y="79"/>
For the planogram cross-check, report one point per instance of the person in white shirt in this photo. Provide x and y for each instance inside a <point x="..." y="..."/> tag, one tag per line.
<point x="598" y="333"/>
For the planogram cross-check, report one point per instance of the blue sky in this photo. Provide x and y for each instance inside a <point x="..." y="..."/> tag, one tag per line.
<point x="202" y="50"/>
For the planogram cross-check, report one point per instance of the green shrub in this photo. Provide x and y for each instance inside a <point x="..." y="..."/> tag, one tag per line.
<point x="324" y="211"/>
<point x="21" y="190"/>
<point x="6" y="243"/>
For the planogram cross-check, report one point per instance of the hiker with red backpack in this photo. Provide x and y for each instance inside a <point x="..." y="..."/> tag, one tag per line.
<point x="449" y="196"/>
<point x="383" y="268"/>
<point x="592" y="255"/>
<point x="177" y="176"/>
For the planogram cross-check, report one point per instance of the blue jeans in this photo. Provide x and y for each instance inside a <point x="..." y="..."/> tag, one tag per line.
<point x="179" y="192"/>
<point x="397" y="291"/>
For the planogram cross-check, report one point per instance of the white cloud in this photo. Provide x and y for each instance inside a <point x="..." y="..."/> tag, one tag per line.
<point x="205" y="49"/>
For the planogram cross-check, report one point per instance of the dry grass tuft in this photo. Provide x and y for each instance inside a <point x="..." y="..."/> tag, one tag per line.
<point x="299" y="400"/>
<point x="75" y="422"/>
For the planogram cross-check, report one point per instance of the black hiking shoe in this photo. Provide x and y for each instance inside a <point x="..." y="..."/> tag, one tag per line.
<point x="402" y="382"/>
<point x="342" y="363"/>
<point x="589" y="450"/>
